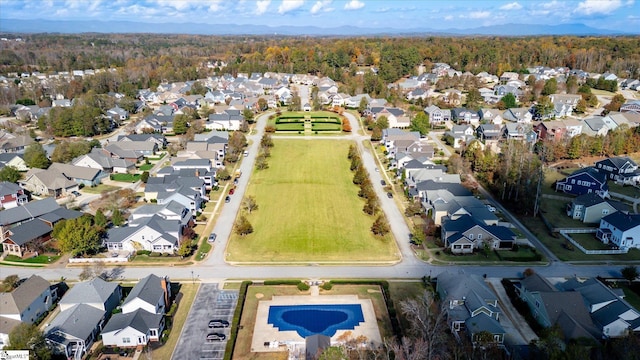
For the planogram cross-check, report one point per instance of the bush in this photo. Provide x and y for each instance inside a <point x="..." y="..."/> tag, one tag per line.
<point x="303" y="286"/>
<point x="155" y="254"/>
<point x="327" y="285"/>
<point x="143" y="252"/>
<point x="233" y="334"/>
<point x="281" y="282"/>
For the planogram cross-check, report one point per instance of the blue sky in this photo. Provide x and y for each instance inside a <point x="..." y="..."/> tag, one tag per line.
<point x="401" y="14"/>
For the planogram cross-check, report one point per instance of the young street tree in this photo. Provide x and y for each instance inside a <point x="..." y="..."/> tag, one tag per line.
<point x="243" y="226"/>
<point x="380" y="226"/>
<point x="249" y="204"/>
<point x="630" y="273"/>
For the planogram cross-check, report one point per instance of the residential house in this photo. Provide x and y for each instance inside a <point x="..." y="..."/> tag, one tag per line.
<point x="29" y="211"/>
<point x="98" y="159"/>
<point x="396" y="117"/>
<point x="437" y="116"/>
<point x="565" y="99"/>
<point x="502" y="90"/>
<point x="552" y="307"/>
<point x="573" y="127"/>
<point x="188" y="191"/>
<point x="10" y="143"/>
<point x="200" y="168"/>
<point x="142" y="317"/>
<point x="611" y="314"/>
<point x="154" y="233"/>
<point x="80" y="174"/>
<point x="595" y="126"/>
<point x="230" y="120"/>
<point x="460" y="135"/>
<point x="25" y="304"/>
<point x="465" y="116"/>
<point x="591" y="208"/>
<point x="491" y="116"/>
<point x="159" y="139"/>
<point x="516" y="131"/>
<point x="519" y="115"/>
<point x="11" y="195"/>
<point x="131" y="150"/>
<point x="118" y="114"/>
<point x="14" y="160"/>
<point x="584" y="181"/>
<point x="631" y="106"/>
<point x="418" y="93"/>
<point x="470" y="305"/>
<point x="621" y="169"/>
<point x="156" y="123"/>
<point x="508" y="76"/>
<point x="83" y="312"/>
<point x="489" y="132"/>
<point x="50" y="182"/>
<point x="354" y="101"/>
<point x="465" y="234"/>
<point x="451" y="201"/>
<point x="172" y="210"/>
<point x="621" y="230"/>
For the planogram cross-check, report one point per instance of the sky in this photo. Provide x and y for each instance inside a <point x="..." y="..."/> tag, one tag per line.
<point x="400" y="14"/>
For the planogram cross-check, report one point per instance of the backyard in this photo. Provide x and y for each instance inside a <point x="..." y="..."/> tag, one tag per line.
<point x="309" y="210"/>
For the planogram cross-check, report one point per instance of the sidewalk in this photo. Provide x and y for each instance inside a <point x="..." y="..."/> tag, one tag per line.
<point x="519" y="323"/>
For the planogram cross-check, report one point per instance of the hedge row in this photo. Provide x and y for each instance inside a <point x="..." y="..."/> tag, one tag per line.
<point x="384" y="285"/>
<point x="281" y="282"/>
<point x="235" y="324"/>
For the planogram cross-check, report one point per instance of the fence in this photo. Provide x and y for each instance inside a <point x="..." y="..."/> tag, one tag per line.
<point x="564" y="233"/>
<point x="99" y="260"/>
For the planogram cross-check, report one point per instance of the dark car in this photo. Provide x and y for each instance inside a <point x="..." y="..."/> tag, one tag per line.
<point x="212" y="237"/>
<point x="216" y="337"/>
<point x="217" y="323"/>
<point x="383" y="183"/>
<point x="389" y="195"/>
<point x="227" y="199"/>
<point x="76" y="193"/>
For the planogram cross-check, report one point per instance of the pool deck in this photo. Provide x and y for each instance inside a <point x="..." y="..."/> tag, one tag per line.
<point x="263" y="332"/>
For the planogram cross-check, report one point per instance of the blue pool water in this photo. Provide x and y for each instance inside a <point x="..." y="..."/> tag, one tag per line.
<point x="309" y="320"/>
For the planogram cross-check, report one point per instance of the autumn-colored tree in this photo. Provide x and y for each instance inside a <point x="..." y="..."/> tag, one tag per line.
<point x="243" y="226"/>
<point x="380" y="226"/>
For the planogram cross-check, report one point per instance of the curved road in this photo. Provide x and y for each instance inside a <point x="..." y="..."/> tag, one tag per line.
<point x="215" y="268"/>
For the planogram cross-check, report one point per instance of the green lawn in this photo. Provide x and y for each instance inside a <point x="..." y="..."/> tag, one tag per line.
<point x="325" y="127"/>
<point x="298" y="126"/>
<point x="589" y="241"/>
<point x="309" y="210"/>
<point x="625" y="190"/>
<point x="630" y="296"/>
<point x="99" y="189"/>
<point x="125" y="177"/>
<point x="145" y="167"/>
<point x="555" y="212"/>
<point x="42" y="259"/>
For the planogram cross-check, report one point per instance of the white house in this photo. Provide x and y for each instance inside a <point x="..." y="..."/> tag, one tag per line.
<point x="150" y="294"/>
<point x="621" y="230"/>
<point x="133" y="329"/>
<point x="153" y="234"/>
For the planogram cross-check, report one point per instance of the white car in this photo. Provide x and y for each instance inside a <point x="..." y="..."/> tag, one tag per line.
<point x="491" y="208"/>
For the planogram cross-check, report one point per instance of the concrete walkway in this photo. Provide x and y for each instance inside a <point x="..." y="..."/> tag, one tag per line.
<point x="518" y="321"/>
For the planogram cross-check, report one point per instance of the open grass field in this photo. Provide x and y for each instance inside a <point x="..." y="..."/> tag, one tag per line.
<point x="309" y="210"/>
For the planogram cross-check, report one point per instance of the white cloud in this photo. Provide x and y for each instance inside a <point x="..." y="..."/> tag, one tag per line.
<point x="176" y="4"/>
<point x="261" y="6"/>
<point x="215" y="6"/>
<point x="511" y="6"/>
<point x="629" y="2"/>
<point x="288" y="5"/>
<point x="591" y="7"/>
<point x="448" y="17"/>
<point x="550" y="5"/>
<point x="354" y="5"/>
<point x="479" y="15"/>
<point x="320" y="5"/>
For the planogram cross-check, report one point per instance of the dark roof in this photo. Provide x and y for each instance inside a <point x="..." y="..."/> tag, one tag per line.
<point x="601" y="177"/>
<point x="569" y="302"/>
<point x="140" y="320"/>
<point x="535" y="282"/>
<point x="483" y="322"/>
<point x="454" y="188"/>
<point x="149" y="289"/>
<point x="619" y="161"/>
<point x="623" y="221"/>
<point x="60" y="214"/>
<point x="610" y="313"/>
<point x="589" y="199"/>
<point x="29" y="231"/>
<point x="28" y="211"/>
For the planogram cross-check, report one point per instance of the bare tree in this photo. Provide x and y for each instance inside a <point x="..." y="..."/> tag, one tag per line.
<point x="427" y="325"/>
<point x="250" y="204"/>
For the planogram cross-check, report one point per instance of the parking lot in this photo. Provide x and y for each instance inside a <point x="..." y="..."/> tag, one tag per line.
<point x="210" y="303"/>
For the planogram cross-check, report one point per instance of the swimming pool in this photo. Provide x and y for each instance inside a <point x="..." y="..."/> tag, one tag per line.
<point x="309" y="320"/>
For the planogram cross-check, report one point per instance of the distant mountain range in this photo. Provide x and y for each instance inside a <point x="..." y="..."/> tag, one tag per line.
<point x="49" y="26"/>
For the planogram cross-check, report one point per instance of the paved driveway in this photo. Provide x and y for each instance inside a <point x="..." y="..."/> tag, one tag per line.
<point x="210" y="303"/>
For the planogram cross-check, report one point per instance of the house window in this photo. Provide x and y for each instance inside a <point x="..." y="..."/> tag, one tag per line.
<point x="456" y="246"/>
<point x="605" y="211"/>
<point x="142" y="237"/>
<point x="153" y="332"/>
<point x="537" y="304"/>
<point x="470" y="236"/>
<point x="479" y="236"/>
<point x="126" y="340"/>
<point x="567" y="187"/>
<point x="573" y="181"/>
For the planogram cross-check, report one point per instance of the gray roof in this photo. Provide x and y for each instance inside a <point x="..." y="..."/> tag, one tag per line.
<point x="536" y="282"/>
<point x="483" y="322"/>
<point x="460" y="285"/>
<point x="92" y="291"/>
<point x="60" y="214"/>
<point x="148" y="289"/>
<point x="623" y="221"/>
<point x="29" y="231"/>
<point x="23" y="296"/>
<point x="28" y="211"/>
<point x="76" y="172"/>
<point x="8" y="188"/>
<point x="610" y="313"/>
<point x="77" y="322"/>
<point x="589" y="199"/>
<point x="140" y="320"/>
<point x="51" y="178"/>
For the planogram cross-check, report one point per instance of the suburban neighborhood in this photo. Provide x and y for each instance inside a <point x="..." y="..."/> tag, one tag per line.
<point x="492" y="213"/>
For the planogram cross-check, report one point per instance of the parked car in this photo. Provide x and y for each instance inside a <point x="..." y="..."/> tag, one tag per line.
<point x="227" y="199"/>
<point x="216" y="337"/>
<point x="235" y="181"/>
<point x="218" y="323"/>
<point x="389" y="195"/>
<point x="383" y="183"/>
<point x="76" y="193"/>
<point x="246" y="153"/>
<point x="212" y="237"/>
<point x="232" y="191"/>
<point x="491" y="208"/>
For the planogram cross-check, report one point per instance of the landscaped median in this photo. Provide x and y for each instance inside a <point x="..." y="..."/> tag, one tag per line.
<point x="309" y="210"/>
